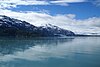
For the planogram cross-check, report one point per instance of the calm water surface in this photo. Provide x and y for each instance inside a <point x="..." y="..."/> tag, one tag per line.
<point x="50" y="52"/>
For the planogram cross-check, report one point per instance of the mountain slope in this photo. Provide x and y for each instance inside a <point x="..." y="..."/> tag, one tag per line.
<point x="14" y="27"/>
<point x="51" y="30"/>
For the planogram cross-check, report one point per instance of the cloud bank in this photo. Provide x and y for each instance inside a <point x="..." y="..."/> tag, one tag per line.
<point x="14" y="3"/>
<point x="68" y="21"/>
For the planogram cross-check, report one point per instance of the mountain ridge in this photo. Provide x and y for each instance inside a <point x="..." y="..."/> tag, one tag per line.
<point x="14" y="27"/>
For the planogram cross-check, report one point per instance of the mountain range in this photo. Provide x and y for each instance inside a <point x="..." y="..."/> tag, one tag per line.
<point x="14" y="27"/>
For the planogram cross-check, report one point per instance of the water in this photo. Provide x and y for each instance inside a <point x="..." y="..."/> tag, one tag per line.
<point x="50" y="52"/>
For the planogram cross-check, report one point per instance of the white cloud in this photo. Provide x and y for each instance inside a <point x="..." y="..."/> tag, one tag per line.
<point x="65" y="2"/>
<point x="6" y="5"/>
<point x="87" y="26"/>
<point x="14" y="3"/>
<point x="59" y="3"/>
<point x="68" y="1"/>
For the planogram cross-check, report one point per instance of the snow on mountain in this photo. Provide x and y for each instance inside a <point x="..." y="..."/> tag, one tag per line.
<point x="14" y="27"/>
<point x="48" y="29"/>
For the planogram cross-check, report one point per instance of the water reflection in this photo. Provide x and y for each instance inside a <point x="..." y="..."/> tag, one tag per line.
<point x="50" y="52"/>
<point x="33" y="48"/>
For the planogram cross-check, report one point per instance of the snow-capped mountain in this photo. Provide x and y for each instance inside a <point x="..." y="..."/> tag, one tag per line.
<point x="14" y="27"/>
<point x="52" y="30"/>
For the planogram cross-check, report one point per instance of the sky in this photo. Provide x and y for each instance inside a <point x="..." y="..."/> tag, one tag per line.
<point x="79" y="16"/>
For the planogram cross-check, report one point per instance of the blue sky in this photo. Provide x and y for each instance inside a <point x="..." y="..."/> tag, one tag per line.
<point x="82" y="10"/>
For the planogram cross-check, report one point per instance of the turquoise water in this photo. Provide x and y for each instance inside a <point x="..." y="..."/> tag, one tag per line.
<point x="50" y="52"/>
